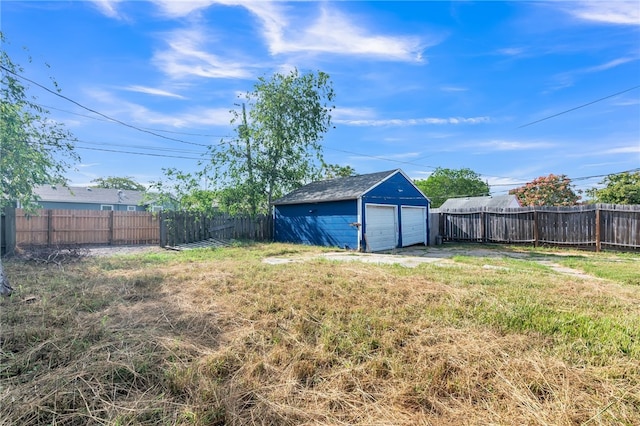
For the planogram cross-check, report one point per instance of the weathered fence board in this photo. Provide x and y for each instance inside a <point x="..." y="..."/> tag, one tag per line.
<point x="86" y="227"/>
<point x="184" y="227"/>
<point x="620" y="225"/>
<point x="594" y="225"/>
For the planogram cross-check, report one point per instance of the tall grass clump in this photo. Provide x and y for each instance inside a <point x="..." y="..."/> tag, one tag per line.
<point x="218" y="337"/>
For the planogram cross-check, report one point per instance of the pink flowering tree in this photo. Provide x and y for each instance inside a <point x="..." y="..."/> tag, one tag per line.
<point x="552" y="190"/>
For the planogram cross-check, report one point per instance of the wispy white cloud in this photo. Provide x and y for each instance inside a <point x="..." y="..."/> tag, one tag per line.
<point x="511" y="51"/>
<point x="403" y="156"/>
<point x="453" y="89"/>
<point x="334" y="32"/>
<point x="187" y="56"/>
<point x="189" y="118"/>
<point x="346" y="113"/>
<point x="414" y="121"/>
<point x="567" y="79"/>
<point x="626" y="102"/>
<point x="606" y="12"/>
<point x="609" y="148"/>
<point x="153" y="91"/>
<point x="135" y="113"/>
<point x="632" y="149"/>
<point x="503" y="145"/>
<point x="331" y="32"/>
<point x="608" y="65"/>
<point x="180" y="8"/>
<point x="108" y="7"/>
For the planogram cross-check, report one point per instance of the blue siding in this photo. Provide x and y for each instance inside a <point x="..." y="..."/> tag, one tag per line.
<point x="396" y="191"/>
<point x="322" y="224"/>
<point x="84" y="206"/>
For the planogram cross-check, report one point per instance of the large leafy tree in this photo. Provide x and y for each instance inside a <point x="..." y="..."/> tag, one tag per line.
<point x="181" y="191"/>
<point x="115" y="182"/>
<point x="279" y="126"/>
<point x="445" y="183"/>
<point x="552" y="190"/>
<point x="34" y="150"/>
<point x="332" y="171"/>
<point x="620" y="188"/>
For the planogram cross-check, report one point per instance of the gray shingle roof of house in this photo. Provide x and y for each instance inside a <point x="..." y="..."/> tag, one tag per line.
<point x="347" y="188"/>
<point x="497" y="201"/>
<point x="78" y="194"/>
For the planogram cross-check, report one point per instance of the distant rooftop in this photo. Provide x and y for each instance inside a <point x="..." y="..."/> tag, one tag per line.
<point x="78" y="194"/>
<point x="497" y="201"/>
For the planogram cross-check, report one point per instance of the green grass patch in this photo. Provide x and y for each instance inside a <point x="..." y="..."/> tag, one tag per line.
<point x="623" y="268"/>
<point x="216" y="336"/>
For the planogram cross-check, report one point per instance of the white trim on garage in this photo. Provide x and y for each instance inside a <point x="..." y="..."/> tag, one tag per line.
<point x="359" y="221"/>
<point x="414" y="225"/>
<point x="381" y="226"/>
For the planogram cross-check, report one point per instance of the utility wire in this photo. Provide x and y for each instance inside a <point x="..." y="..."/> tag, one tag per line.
<point x="152" y="131"/>
<point x="145" y="128"/>
<point x="115" y="120"/>
<point x="140" y="153"/>
<point x="148" y="148"/>
<point x="578" y="107"/>
<point x="572" y="179"/>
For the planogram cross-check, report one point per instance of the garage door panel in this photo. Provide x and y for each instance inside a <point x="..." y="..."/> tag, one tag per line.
<point x="414" y="225"/>
<point x="381" y="227"/>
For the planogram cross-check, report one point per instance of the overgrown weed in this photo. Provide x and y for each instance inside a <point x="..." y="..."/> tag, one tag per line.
<point x="213" y="337"/>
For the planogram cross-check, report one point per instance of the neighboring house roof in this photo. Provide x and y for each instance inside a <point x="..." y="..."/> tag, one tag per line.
<point x="498" y="202"/>
<point x="338" y="189"/>
<point x="78" y="194"/>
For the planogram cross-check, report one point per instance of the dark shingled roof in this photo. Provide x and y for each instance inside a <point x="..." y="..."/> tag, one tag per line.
<point x="347" y="188"/>
<point x="78" y="194"/>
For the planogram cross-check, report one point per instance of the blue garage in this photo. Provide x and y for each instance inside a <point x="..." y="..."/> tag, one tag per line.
<point x="372" y="212"/>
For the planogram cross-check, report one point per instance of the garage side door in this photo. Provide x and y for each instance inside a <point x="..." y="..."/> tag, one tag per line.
<point x="414" y="225"/>
<point x="382" y="227"/>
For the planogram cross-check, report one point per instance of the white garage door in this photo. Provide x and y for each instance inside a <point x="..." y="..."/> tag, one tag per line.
<point x="414" y="225"/>
<point x="382" y="227"/>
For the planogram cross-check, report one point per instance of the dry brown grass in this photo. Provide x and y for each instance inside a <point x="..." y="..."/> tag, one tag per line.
<point x="218" y="337"/>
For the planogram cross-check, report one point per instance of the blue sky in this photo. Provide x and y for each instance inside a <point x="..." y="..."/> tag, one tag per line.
<point x="418" y="85"/>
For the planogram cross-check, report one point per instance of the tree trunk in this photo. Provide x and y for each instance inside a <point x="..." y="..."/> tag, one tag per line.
<point x="5" y="288"/>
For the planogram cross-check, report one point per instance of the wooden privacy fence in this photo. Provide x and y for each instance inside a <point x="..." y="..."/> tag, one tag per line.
<point x="595" y="225"/>
<point x="85" y="227"/>
<point x="186" y="227"/>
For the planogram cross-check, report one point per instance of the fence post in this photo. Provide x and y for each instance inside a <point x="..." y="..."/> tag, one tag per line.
<point x="110" y="227"/>
<point x="598" y="228"/>
<point x="49" y="227"/>
<point x="162" y="230"/>
<point x="536" y="233"/>
<point x="483" y="227"/>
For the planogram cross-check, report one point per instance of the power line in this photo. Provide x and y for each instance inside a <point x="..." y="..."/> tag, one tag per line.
<point x="572" y="179"/>
<point x="145" y="128"/>
<point x="148" y="148"/>
<point x="165" y="137"/>
<point x="139" y="153"/>
<point x="578" y="107"/>
<point x="115" y="120"/>
<point x="152" y="132"/>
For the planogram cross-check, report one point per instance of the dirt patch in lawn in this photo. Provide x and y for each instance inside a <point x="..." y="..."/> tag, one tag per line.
<point x="411" y="257"/>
